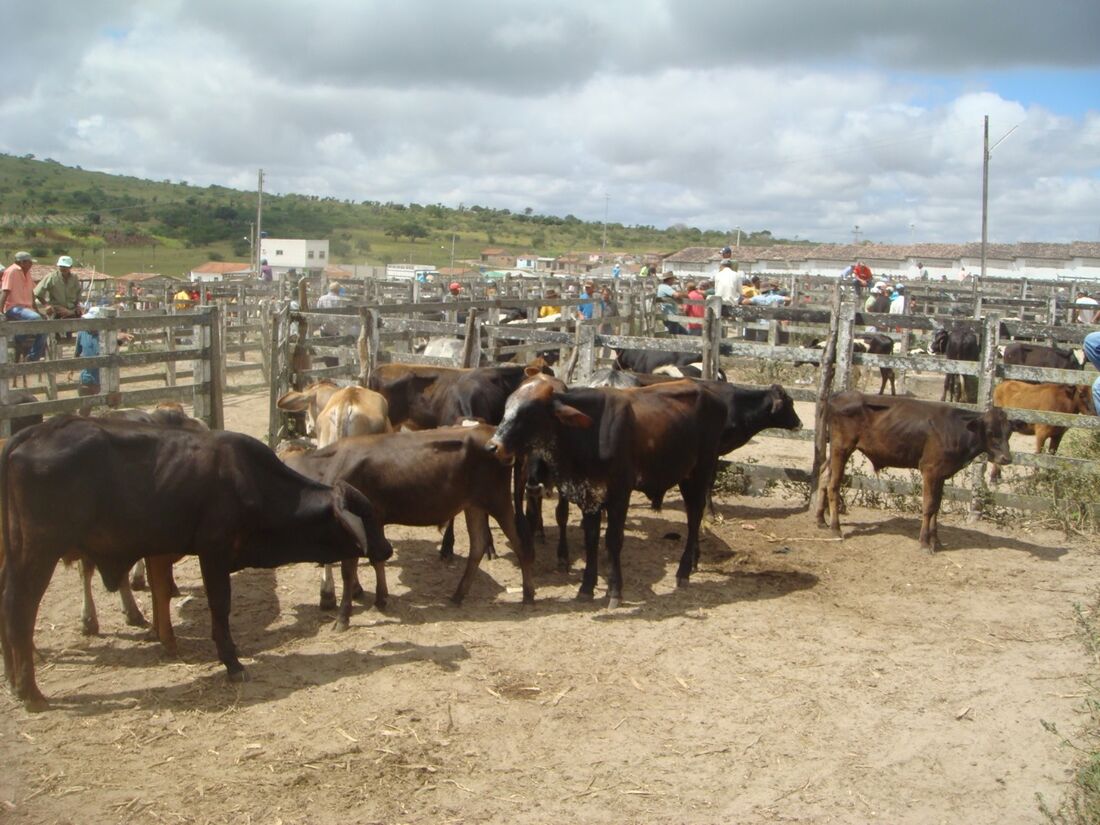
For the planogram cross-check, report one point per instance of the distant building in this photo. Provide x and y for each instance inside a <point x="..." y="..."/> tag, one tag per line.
<point x="219" y="271"/>
<point x="303" y="256"/>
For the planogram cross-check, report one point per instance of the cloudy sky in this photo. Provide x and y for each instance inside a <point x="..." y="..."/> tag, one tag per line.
<point x="805" y="118"/>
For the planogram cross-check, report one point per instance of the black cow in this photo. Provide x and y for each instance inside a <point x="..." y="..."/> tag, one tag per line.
<point x="129" y="487"/>
<point x="601" y="444"/>
<point x="644" y="360"/>
<point x="960" y="343"/>
<point x="1037" y="355"/>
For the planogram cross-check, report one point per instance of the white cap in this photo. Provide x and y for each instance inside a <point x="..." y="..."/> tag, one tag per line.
<point x="65" y="260"/>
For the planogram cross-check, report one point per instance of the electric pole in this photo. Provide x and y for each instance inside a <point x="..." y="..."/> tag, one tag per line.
<point x="259" y="223"/>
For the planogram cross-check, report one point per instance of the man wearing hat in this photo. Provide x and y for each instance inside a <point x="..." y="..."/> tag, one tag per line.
<point x="17" y="301"/>
<point x="667" y="302"/>
<point x="879" y="298"/>
<point x="59" y="292"/>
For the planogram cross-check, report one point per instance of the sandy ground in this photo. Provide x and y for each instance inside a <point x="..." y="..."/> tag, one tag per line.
<point x="797" y="679"/>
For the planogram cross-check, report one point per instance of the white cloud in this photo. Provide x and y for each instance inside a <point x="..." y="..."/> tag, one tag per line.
<point x="690" y="112"/>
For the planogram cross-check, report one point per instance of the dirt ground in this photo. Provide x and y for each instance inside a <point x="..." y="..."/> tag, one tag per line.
<point x="797" y="679"/>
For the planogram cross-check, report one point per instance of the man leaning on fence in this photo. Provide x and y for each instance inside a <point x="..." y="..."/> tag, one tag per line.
<point x="17" y="303"/>
<point x="59" y="292"/>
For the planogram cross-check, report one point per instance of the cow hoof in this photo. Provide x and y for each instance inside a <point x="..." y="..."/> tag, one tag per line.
<point x="379" y="602"/>
<point x="446" y="553"/>
<point x="584" y="596"/>
<point x="137" y="620"/>
<point x="682" y="581"/>
<point x="360" y="595"/>
<point x="36" y="704"/>
<point x="328" y="601"/>
<point x="90" y="627"/>
<point x="528" y="596"/>
<point x="138" y="583"/>
<point x="613" y="602"/>
<point x="237" y="676"/>
<point x="563" y="566"/>
<point x="341" y="626"/>
<point x="456" y="599"/>
<point x="174" y="592"/>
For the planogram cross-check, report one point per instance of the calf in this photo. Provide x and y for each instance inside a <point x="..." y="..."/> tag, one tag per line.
<point x="600" y="444"/>
<point x="1060" y="398"/>
<point x="425" y="478"/>
<point x="960" y="343"/>
<point x="309" y="402"/>
<point x="937" y="439"/>
<point x="128" y="487"/>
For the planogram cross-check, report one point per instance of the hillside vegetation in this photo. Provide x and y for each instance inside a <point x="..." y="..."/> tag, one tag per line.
<point x="124" y="224"/>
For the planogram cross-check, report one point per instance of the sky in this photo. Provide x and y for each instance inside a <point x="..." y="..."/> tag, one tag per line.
<point x="825" y="121"/>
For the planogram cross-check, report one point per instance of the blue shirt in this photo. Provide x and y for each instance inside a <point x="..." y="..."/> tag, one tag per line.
<point x="585" y="309"/>
<point x="769" y="299"/>
<point x="87" y="346"/>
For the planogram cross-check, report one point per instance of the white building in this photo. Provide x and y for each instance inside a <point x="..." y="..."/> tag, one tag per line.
<point x="285" y="254"/>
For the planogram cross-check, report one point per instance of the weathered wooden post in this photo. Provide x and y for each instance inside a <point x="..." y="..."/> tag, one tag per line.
<point x="845" y="338"/>
<point x="826" y="373"/>
<point x="990" y="335"/>
<point x="280" y="370"/>
<point x="712" y="337"/>
<point x="471" y="346"/>
<point x="368" y="344"/>
<point x="5" y="387"/>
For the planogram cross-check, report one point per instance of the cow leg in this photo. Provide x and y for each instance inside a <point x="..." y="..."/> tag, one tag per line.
<point x="838" y="460"/>
<point x="137" y="577"/>
<point x="328" y="589"/>
<point x="89" y="620"/>
<point x="447" y="546"/>
<point x="215" y="578"/>
<point x="561" y="516"/>
<point x="381" y="589"/>
<point x="348" y="577"/>
<point x="18" y="611"/>
<point x="693" y="491"/>
<point x="130" y="608"/>
<point x="477" y="526"/>
<point x="822" y="494"/>
<point x="616" y="524"/>
<point x="590" y="524"/>
<point x="533" y="513"/>
<point x="160" y="585"/>
<point x="933" y="495"/>
<point x="519" y="536"/>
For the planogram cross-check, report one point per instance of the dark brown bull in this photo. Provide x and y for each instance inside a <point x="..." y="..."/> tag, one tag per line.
<point x="937" y="439"/>
<point x="600" y="444"/>
<point x="127" y="487"/>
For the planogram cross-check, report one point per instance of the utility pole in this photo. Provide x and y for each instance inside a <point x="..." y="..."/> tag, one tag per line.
<point x="987" y="153"/>
<point x="259" y="223"/>
<point x="452" y="252"/>
<point x="855" y="234"/>
<point x="739" y="237"/>
<point x="603" y="248"/>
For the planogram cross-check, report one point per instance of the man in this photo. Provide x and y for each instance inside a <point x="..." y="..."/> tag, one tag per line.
<point x="585" y="309"/>
<point x="768" y="299"/>
<point x="862" y="273"/>
<point x="17" y="302"/>
<point x="1086" y="308"/>
<point x="59" y="292"/>
<point x="265" y="270"/>
<point x="331" y="300"/>
<point x="668" y="298"/>
<point x="725" y="283"/>
<point x="453" y="291"/>
<point x="695" y="310"/>
<point x="1091" y="346"/>
<point x="879" y="299"/>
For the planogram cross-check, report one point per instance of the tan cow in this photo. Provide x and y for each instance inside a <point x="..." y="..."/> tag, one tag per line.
<point x="1059" y="398"/>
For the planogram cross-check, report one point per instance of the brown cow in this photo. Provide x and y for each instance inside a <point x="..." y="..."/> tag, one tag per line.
<point x="424" y="478"/>
<point x="1059" y="398"/>
<point x="128" y="487"/>
<point x="935" y="438"/>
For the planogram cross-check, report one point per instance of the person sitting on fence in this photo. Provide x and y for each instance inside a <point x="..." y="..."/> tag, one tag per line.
<point x="1086" y="308"/>
<point x="770" y="297"/>
<point x="17" y="302"/>
<point x="694" y="310"/>
<point x="1091" y="346"/>
<point x="59" y="292"/>
<point x="668" y="299"/>
<point x="879" y="299"/>
<point x="182" y="300"/>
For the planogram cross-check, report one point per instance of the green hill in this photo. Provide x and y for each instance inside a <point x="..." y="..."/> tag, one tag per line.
<point x="124" y="224"/>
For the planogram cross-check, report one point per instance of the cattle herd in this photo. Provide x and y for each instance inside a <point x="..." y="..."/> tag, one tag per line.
<point x="420" y="446"/>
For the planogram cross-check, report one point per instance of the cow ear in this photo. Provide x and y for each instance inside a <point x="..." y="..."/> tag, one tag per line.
<point x="531" y="372"/>
<point x="777" y="398"/>
<point x="293" y="401"/>
<point x="571" y="416"/>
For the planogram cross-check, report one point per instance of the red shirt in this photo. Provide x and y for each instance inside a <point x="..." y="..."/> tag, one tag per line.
<point x="694" y="311"/>
<point x="20" y="288"/>
<point x="862" y="273"/>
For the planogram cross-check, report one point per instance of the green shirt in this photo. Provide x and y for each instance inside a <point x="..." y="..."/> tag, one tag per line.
<point x="56" y="291"/>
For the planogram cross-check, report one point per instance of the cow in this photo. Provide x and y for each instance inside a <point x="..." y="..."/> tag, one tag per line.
<point x="873" y="342"/>
<point x="129" y="487"/>
<point x="602" y="443"/>
<point x="960" y="343"/>
<point x="308" y="403"/>
<point x="644" y="360"/>
<point x="425" y="478"/>
<point x="1059" y="398"/>
<point x="1037" y="355"/>
<point x="935" y="438"/>
<point x="693" y="370"/>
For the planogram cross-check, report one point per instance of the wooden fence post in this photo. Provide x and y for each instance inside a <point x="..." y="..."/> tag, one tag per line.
<point x="280" y="370"/>
<point x="200" y="366"/>
<point x="826" y="373"/>
<point x="368" y="344"/>
<point x="845" y="338"/>
<point x="5" y="387"/>
<point x="990" y="335"/>
<point x="471" y="346"/>
<point x="712" y="337"/>
<point x="215" y="369"/>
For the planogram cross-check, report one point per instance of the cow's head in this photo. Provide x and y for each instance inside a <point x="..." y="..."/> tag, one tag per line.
<point x="530" y="414"/>
<point x="783" y="412"/>
<point x="994" y="429"/>
<point x="939" y="341"/>
<point x="308" y="402"/>
<point x="356" y="515"/>
<point x="1082" y="400"/>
